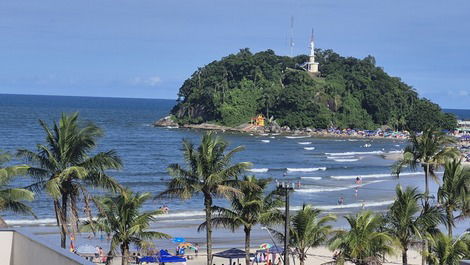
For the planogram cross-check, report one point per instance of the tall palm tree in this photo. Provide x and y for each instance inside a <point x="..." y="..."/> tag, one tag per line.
<point x="64" y="168"/>
<point x="447" y="251"/>
<point x="121" y="216"/>
<point x="253" y="208"/>
<point x="453" y="193"/>
<point x="430" y="150"/>
<point x="210" y="172"/>
<point x="407" y="221"/>
<point x="307" y="230"/>
<point x="11" y="199"/>
<point x="364" y="243"/>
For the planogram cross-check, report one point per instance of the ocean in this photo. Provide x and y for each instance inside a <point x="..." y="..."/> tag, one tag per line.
<point x="325" y="168"/>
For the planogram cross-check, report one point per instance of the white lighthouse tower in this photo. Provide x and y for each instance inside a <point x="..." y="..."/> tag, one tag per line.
<point x="312" y="66"/>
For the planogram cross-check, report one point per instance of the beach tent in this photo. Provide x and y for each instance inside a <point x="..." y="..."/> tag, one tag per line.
<point x="164" y="257"/>
<point x="233" y="253"/>
<point x="273" y="251"/>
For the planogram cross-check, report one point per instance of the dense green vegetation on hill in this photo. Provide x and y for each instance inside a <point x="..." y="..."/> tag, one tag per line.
<point x="350" y="93"/>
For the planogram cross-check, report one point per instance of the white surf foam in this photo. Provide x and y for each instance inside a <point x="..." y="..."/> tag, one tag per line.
<point x="312" y="178"/>
<point x="265" y="141"/>
<point x="311" y="169"/>
<point x="296" y="137"/>
<point x="346" y="206"/>
<point x="376" y="175"/>
<point x="52" y="221"/>
<point x="327" y="189"/>
<point x="304" y="143"/>
<point x="355" y="153"/>
<point x="346" y="159"/>
<point x="309" y="148"/>
<point x="395" y="152"/>
<point x="181" y="214"/>
<point x="340" y="157"/>
<point x="31" y="222"/>
<point x="258" y="170"/>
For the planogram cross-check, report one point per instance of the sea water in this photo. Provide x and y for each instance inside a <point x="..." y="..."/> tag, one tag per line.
<point x="325" y="168"/>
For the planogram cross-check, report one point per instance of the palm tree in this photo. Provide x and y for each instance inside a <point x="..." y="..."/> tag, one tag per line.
<point x="11" y="199"/>
<point x="253" y="208"/>
<point x="407" y="221"/>
<point x="209" y="172"/>
<point x="121" y="217"/>
<point x="453" y="193"/>
<point x="447" y="251"/>
<point x="307" y="230"/>
<point x="364" y="243"/>
<point x="430" y="150"/>
<point x="64" y="167"/>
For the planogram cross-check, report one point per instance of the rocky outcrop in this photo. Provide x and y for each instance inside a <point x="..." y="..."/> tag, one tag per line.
<point x="274" y="127"/>
<point x="166" y="122"/>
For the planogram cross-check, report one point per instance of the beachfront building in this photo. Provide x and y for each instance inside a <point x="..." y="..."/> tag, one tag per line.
<point x="312" y="66"/>
<point x="20" y="248"/>
<point x="463" y="127"/>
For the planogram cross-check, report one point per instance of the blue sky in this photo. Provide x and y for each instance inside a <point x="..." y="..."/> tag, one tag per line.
<point x="147" y="48"/>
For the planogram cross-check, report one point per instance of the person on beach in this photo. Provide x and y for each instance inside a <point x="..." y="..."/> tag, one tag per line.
<point x="165" y="209"/>
<point x="97" y="252"/>
<point x="358" y="181"/>
<point x="102" y="255"/>
<point x="341" y="200"/>
<point x="196" y="249"/>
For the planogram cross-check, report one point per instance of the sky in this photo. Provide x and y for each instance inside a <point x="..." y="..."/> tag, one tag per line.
<point x="147" y="48"/>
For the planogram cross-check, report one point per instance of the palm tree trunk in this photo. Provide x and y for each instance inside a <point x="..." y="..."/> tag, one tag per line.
<point x="426" y="182"/>
<point x="208" y="205"/>
<point x="404" y="256"/>
<point x="3" y="224"/>
<point x="247" y="245"/>
<point x="125" y="253"/>
<point x="63" y="216"/>
<point x="302" y="259"/>
<point x="450" y="218"/>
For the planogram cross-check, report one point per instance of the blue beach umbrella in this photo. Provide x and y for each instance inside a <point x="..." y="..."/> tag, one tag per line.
<point x="179" y="239"/>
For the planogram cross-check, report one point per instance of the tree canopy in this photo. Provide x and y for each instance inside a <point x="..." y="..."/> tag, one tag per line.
<point x="349" y="93"/>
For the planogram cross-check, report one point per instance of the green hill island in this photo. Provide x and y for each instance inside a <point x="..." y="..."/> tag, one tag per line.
<point x="316" y="91"/>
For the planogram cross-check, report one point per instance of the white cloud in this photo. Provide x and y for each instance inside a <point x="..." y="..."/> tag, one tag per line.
<point x="146" y="81"/>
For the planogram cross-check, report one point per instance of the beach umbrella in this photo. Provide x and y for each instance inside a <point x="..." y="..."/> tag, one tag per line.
<point x="265" y="246"/>
<point x="178" y="240"/>
<point x="185" y="245"/>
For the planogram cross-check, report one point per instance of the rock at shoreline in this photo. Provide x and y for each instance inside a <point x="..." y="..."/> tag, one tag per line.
<point x="166" y="122"/>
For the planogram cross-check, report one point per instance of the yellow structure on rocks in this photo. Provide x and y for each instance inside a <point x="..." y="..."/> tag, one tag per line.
<point x="258" y="120"/>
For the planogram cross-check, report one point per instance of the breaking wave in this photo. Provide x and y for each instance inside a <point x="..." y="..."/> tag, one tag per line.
<point x="258" y="170"/>
<point x="376" y="175"/>
<point x="354" y="153"/>
<point x="311" y="169"/>
<point x="328" y="189"/>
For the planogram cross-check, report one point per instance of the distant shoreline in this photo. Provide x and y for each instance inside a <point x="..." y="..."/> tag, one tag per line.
<point x="265" y="131"/>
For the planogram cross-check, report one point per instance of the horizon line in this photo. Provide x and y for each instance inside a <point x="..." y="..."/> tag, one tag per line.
<point x="78" y="96"/>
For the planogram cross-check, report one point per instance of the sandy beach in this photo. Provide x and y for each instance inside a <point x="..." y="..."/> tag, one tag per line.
<point x="317" y="256"/>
